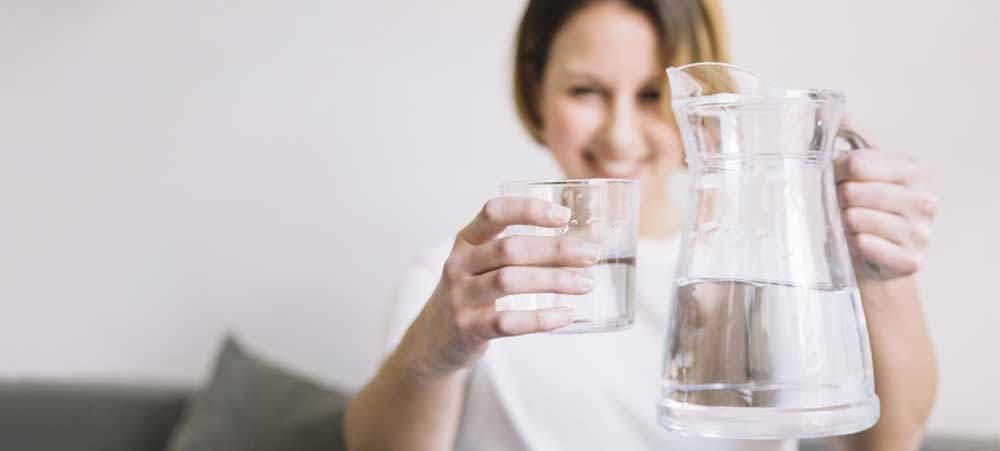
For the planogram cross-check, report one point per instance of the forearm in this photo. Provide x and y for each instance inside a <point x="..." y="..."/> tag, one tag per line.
<point x="904" y="364"/>
<point x="415" y="401"/>
<point x="397" y="410"/>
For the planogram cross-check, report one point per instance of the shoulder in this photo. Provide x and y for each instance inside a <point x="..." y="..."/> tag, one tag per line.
<point x="423" y="273"/>
<point x="414" y="289"/>
<point x="433" y="257"/>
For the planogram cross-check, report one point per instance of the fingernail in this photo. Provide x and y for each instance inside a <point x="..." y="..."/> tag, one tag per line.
<point x="559" y="317"/>
<point x="589" y="252"/>
<point x="584" y="282"/>
<point x="559" y="213"/>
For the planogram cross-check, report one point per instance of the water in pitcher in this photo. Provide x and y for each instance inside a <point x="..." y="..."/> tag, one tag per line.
<point x="765" y="345"/>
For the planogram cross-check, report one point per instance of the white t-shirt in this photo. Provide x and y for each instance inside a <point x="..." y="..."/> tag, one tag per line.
<point x="552" y="392"/>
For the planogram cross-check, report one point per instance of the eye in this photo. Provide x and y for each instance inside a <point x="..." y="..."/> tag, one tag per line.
<point x="650" y="95"/>
<point x="583" y="90"/>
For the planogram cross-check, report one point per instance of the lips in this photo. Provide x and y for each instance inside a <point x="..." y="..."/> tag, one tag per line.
<point x="617" y="169"/>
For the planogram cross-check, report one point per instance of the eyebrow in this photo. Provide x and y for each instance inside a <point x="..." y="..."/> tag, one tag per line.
<point x="577" y="73"/>
<point x="590" y="76"/>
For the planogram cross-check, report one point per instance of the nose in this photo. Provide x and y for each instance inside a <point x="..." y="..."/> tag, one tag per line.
<point x="622" y="134"/>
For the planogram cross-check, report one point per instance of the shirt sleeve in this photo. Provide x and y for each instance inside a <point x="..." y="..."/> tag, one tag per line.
<point x="411" y="293"/>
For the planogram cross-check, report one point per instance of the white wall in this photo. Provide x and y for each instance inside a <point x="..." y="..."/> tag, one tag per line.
<point x="172" y="170"/>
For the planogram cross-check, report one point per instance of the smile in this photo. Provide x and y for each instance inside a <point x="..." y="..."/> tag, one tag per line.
<point x="617" y="169"/>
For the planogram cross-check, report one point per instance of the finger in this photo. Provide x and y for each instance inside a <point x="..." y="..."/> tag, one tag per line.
<point x="501" y="212"/>
<point x="871" y="165"/>
<point x="513" y="322"/>
<point x="889" y="197"/>
<point x="509" y="280"/>
<point x="532" y="251"/>
<point x="888" y="226"/>
<point x="891" y="258"/>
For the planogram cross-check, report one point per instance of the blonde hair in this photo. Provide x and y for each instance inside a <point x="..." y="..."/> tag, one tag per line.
<point x="690" y="31"/>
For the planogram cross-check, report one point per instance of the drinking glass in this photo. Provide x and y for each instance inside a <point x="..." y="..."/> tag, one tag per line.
<point x="605" y="213"/>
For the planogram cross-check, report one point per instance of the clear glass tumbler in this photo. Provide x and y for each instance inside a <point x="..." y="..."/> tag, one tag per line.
<point x="605" y="212"/>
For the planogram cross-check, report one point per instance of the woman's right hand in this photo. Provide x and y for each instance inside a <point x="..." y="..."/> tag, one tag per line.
<point x="456" y="324"/>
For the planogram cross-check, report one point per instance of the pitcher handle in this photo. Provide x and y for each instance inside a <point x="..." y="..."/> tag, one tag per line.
<point x="852" y="138"/>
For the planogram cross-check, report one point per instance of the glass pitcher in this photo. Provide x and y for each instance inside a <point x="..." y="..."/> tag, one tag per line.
<point x="767" y="338"/>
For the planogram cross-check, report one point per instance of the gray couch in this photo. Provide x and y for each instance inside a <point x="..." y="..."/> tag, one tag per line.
<point x="57" y="417"/>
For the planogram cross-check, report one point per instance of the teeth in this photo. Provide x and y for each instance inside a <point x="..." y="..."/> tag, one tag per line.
<point x="616" y="168"/>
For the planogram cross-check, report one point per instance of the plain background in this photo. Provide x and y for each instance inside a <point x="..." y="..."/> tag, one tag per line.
<point x="173" y="170"/>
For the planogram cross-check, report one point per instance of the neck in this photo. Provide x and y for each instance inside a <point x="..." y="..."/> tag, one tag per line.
<point x="660" y="217"/>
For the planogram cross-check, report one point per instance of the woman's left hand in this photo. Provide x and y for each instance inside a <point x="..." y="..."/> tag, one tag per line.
<point x="887" y="211"/>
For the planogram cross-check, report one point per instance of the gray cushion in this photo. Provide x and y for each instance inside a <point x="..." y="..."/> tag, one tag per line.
<point x="252" y="405"/>
<point x="933" y="443"/>
<point x="87" y="417"/>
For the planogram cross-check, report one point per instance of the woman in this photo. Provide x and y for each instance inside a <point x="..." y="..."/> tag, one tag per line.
<point x="589" y="87"/>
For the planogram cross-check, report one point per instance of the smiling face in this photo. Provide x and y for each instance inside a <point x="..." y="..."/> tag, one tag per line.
<point x="601" y="107"/>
